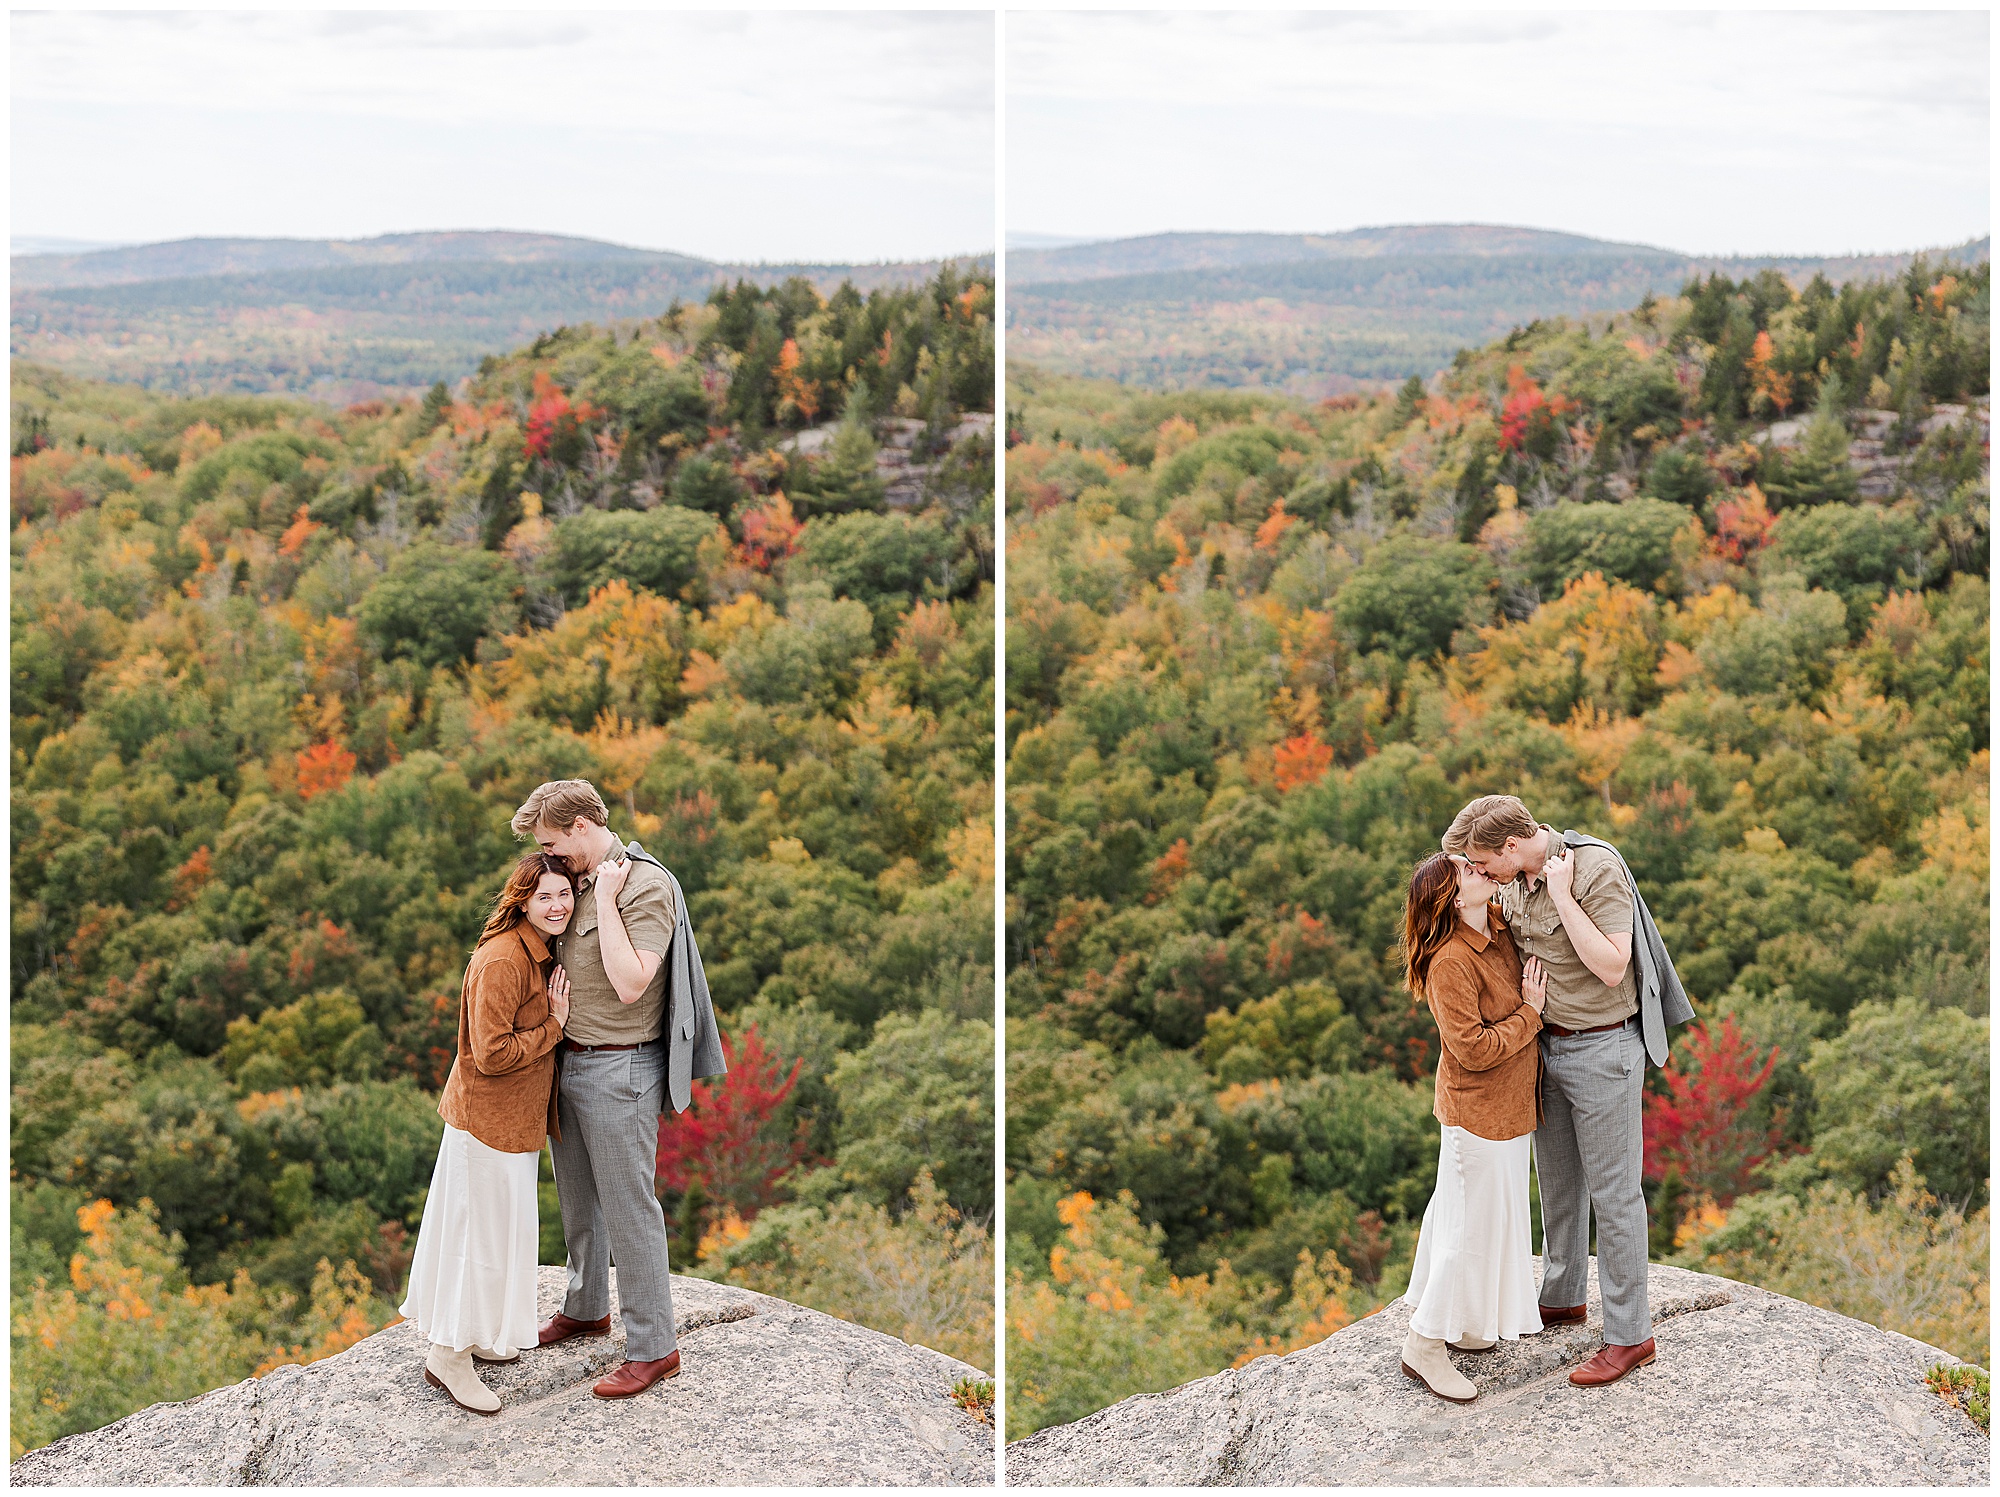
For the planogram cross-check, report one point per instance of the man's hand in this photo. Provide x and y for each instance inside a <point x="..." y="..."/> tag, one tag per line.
<point x="1560" y="872"/>
<point x="1605" y="956"/>
<point x="610" y="878"/>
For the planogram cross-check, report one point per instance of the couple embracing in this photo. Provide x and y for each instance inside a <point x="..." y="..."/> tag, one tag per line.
<point x="585" y="1012"/>
<point x="1551" y="990"/>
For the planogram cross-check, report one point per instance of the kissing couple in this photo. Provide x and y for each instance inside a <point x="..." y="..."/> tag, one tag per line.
<point x="1551" y="989"/>
<point x="585" y="1013"/>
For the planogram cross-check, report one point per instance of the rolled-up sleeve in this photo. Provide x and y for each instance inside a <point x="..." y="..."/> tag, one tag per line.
<point x="1606" y="898"/>
<point x="1453" y="989"/>
<point x="649" y="918"/>
<point x="494" y="996"/>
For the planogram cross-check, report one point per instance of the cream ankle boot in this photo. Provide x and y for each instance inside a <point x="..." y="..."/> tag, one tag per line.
<point x="1463" y="1343"/>
<point x="453" y="1371"/>
<point x="485" y="1354"/>
<point x="1425" y="1360"/>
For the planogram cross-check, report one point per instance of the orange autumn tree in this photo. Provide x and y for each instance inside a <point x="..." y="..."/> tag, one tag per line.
<point x="1769" y="388"/>
<point x="323" y="767"/>
<point x="1302" y="760"/>
<point x="798" y="397"/>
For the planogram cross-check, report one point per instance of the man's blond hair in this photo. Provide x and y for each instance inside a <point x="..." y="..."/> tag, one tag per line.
<point x="1486" y="824"/>
<point x="560" y="803"/>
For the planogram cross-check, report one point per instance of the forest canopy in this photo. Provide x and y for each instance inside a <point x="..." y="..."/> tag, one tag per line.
<point x="1708" y="578"/>
<point x="281" y="674"/>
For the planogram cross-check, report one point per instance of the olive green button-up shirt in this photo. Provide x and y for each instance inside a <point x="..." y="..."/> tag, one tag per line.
<point x="646" y="905"/>
<point x="1578" y="997"/>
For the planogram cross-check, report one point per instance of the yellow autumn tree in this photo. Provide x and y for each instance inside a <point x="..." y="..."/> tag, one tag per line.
<point x="1597" y="645"/>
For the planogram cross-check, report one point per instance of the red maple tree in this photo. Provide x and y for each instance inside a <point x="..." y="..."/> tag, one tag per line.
<point x="731" y="1138"/>
<point x="1742" y="524"/>
<point x="551" y="415"/>
<point x="1702" y="1127"/>
<point x="770" y="533"/>
<point x="1527" y="413"/>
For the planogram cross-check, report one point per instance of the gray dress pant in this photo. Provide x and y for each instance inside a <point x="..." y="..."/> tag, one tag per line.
<point x="609" y="1108"/>
<point x="1589" y="1155"/>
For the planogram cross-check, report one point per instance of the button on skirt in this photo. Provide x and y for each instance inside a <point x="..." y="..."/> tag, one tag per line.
<point x="1474" y="1275"/>
<point x="472" y="1280"/>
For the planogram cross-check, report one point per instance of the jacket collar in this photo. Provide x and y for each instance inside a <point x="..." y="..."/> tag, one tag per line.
<point x="532" y="939"/>
<point x="1473" y="938"/>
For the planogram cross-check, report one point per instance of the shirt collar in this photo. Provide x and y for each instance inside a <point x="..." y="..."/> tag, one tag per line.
<point x="586" y="879"/>
<point x="1473" y="938"/>
<point x="1530" y="882"/>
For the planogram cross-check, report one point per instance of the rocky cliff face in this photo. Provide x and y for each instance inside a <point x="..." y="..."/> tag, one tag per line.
<point x="769" y="1394"/>
<point x="1750" y="1388"/>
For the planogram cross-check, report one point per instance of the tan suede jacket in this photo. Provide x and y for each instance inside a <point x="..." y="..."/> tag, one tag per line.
<point x="502" y="1087"/>
<point x="1489" y="1073"/>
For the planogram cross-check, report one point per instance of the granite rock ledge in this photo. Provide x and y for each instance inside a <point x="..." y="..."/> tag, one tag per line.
<point x="771" y="1394"/>
<point x="1751" y="1389"/>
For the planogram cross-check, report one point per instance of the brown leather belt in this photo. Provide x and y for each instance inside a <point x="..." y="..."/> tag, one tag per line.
<point x="572" y="1045"/>
<point x="1563" y="1034"/>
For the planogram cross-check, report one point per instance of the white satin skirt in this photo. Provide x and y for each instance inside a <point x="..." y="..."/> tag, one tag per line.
<point x="472" y="1281"/>
<point x="1474" y="1275"/>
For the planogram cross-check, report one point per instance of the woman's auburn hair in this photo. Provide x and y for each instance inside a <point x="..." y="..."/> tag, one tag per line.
<point x="1430" y="917"/>
<point x="510" y="908"/>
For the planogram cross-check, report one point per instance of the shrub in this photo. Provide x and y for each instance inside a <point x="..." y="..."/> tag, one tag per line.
<point x="657" y="549"/>
<point x="1630" y="542"/>
<point x="129" y="1329"/>
<point x="926" y="1277"/>
<point x="435" y="604"/>
<point x="1412" y="594"/>
<point x="1908" y="1264"/>
<point x="1904" y="1079"/>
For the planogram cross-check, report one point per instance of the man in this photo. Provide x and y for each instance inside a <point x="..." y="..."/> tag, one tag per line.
<point x="613" y="1076"/>
<point x="1570" y="900"/>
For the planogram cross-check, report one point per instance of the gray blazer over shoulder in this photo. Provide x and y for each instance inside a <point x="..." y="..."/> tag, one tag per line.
<point x="1662" y="1001"/>
<point x="694" y="1044"/>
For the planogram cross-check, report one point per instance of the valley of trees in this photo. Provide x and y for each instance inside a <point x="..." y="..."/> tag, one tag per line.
<point x="1314" y="327"/>
<point x="363" y="330"/>
<point x="281" y="674"/>
<point x="1708" y="577"/>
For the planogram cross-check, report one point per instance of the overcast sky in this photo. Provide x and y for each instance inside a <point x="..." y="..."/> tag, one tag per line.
<point x="1712" y="133"/>
<point x="829" y="136"/>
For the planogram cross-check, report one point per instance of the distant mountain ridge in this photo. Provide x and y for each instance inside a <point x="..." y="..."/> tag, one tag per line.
<point x="1214" y="251"/>
<point x="178" y="259"/>
<point x="1154" y="253"/>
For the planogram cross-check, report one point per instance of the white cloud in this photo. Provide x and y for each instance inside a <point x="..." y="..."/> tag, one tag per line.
<point x="1710" y="132"/>
<point x="822" y="135"/>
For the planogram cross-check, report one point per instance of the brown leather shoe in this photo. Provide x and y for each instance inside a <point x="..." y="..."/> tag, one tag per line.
<point x="1561" y="1314"/>
<point x="637" y="1377"/>
<point x="559" y="1327"/>
<point x="1612" y="1363"/>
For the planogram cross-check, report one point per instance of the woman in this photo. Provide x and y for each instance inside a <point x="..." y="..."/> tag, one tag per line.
<point x="1472" y="1283"/>
<point x="472" y="1281"/>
